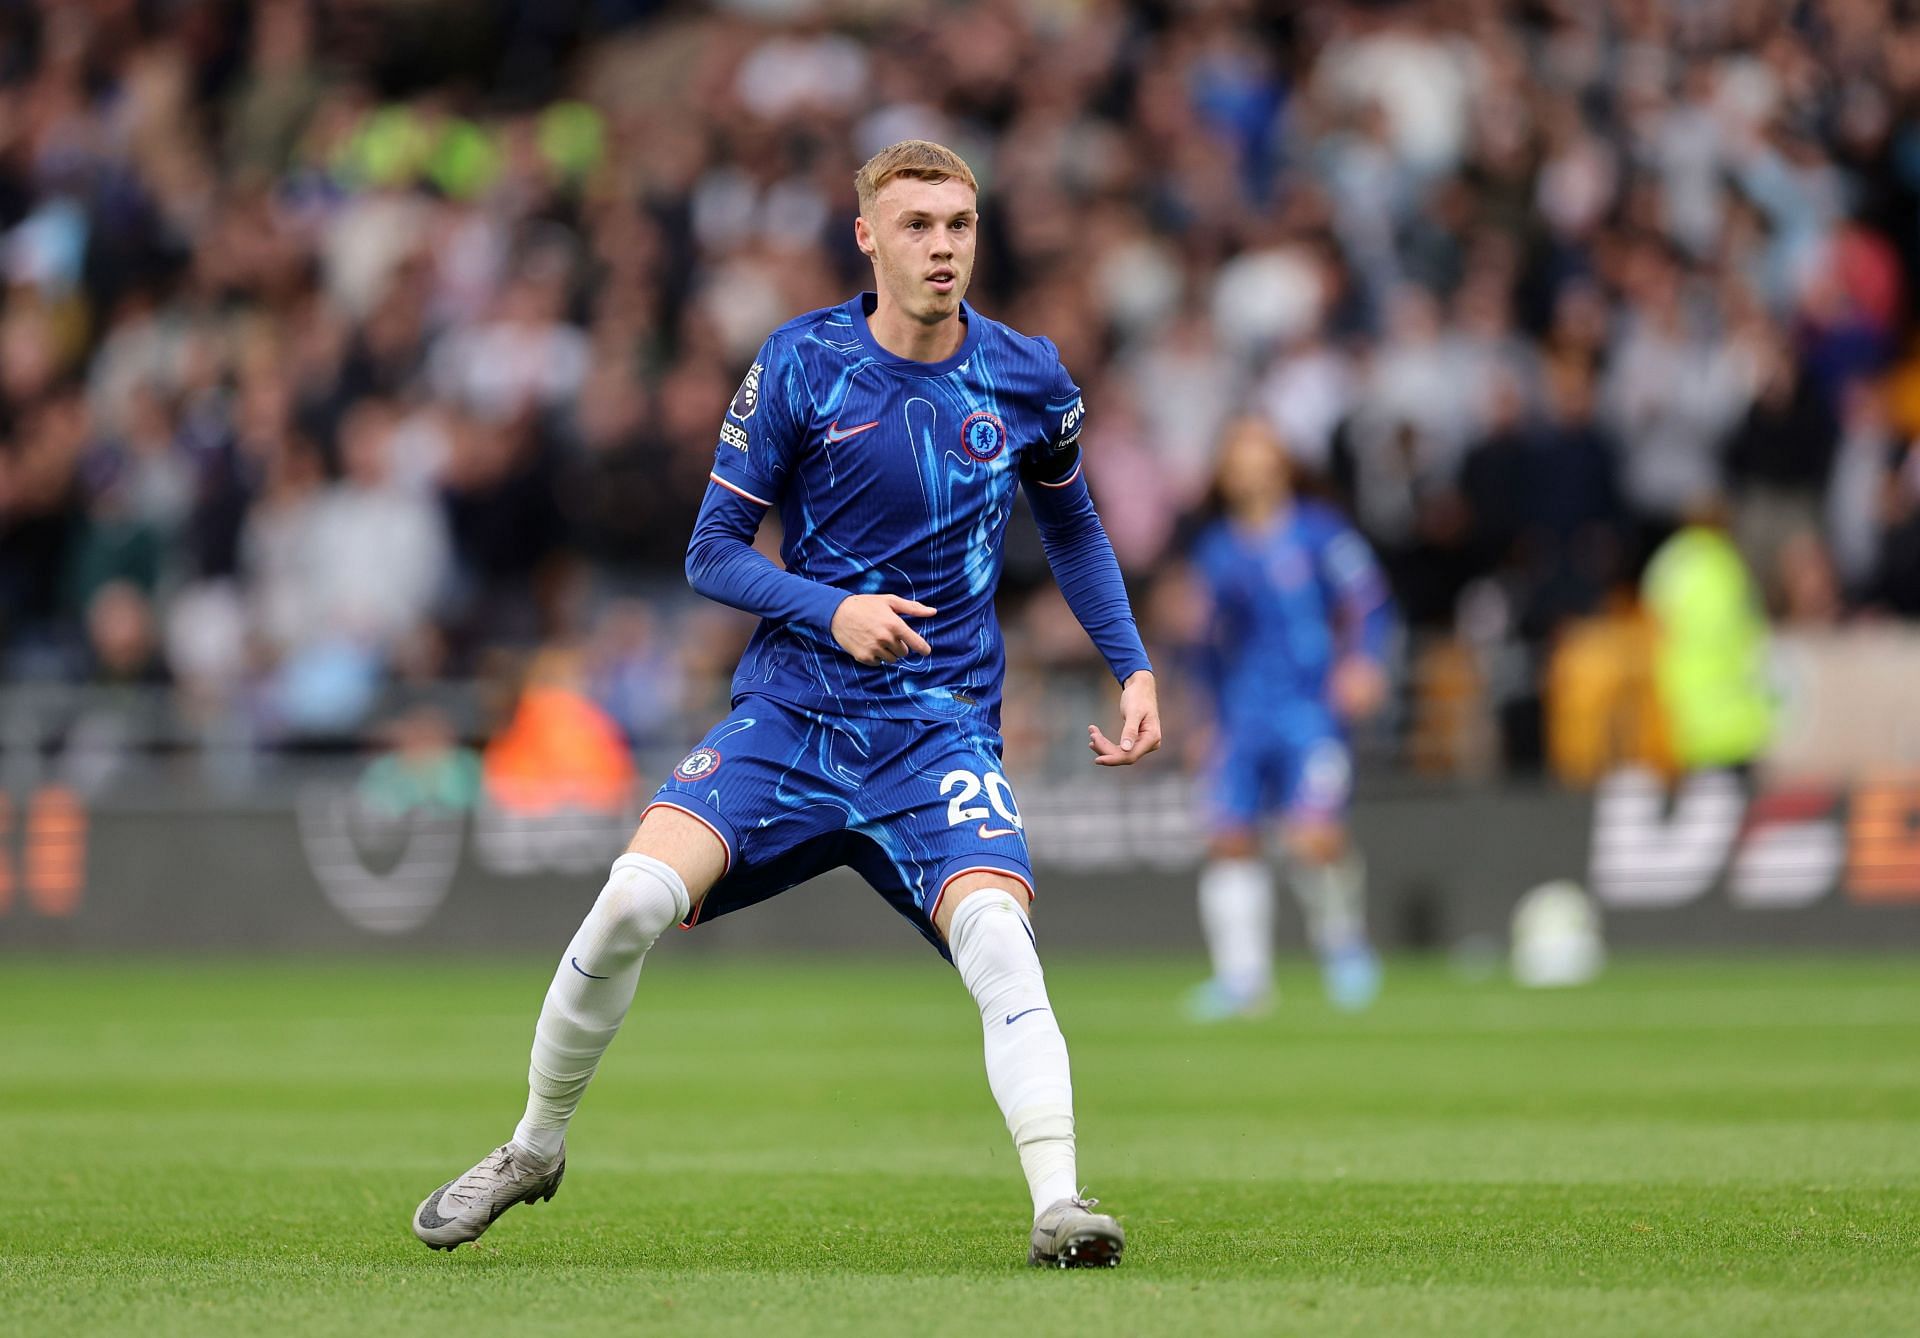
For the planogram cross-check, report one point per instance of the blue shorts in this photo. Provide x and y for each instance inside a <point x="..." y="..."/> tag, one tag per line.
<point x="1305" y="774"/>
<point x="909" y="805"/>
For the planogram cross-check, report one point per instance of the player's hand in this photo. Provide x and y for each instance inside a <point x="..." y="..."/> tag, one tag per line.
<point x="1358" y="687"/>
<point x="1139" y="724"/>
<point x="870" y="628"/>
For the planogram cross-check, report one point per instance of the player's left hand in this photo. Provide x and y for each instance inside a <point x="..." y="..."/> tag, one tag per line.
<point x="1139" y="724"/>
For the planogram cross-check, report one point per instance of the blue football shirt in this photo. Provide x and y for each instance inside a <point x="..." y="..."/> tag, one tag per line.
<point x="898" y="477"/>
<point x="1288" y="600"/>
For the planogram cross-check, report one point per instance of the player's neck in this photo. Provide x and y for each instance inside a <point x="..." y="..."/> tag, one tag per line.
<point x="905" y="337"/>
<point x="1261" y="515"/>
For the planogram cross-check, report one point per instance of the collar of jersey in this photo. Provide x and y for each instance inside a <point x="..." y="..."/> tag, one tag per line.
<point x="857" y="308"/>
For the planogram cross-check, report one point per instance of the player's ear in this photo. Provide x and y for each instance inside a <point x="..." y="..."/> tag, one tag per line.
<point x="863" y="235"/>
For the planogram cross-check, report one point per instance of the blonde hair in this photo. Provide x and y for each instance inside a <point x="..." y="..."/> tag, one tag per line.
<point x="919" y="159"/>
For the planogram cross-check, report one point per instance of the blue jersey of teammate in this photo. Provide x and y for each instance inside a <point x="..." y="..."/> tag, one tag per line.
<point x="1288" y="601"/>
<point x="898" y="477"/>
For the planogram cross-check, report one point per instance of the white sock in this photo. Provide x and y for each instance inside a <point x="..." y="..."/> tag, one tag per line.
<point x="1333" y="897"/>
<point x="1236" y="916"/>
<point x="591" y="992"/>
<point x="1026" y="1054"/>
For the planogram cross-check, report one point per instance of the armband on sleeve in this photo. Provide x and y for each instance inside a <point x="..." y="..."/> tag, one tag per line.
<point x="1056" y="461"/>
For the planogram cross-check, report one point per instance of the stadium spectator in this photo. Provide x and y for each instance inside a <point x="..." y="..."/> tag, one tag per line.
<point x="1710" y="653"/>
<point x="1393" y="229"/>
<point x="1778" y="459"/>
<point x="558" y="751"/>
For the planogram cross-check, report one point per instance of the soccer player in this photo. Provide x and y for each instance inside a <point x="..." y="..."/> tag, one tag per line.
<point x="891" y="433"/>
<point x="1297" y="621"/>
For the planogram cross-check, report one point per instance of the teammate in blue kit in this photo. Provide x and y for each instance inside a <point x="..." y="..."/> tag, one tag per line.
<point x="1294" y="646"/>
<point x="891" y="433"/>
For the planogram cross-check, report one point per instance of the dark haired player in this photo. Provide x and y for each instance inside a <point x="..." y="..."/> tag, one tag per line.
<point x="1298" y="621"/>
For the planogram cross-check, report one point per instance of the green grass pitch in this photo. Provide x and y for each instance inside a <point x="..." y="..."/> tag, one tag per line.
<point x="809" y="1148"/>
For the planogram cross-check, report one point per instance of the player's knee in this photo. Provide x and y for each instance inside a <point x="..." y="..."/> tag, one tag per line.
<point x="1317" y="842"/>
<point x="1233" y="845"/>
<point x="643" y="896"/>
<point x="690" y="846"/>
<point x="993" y="950"/>
<point x="982" y="910"/>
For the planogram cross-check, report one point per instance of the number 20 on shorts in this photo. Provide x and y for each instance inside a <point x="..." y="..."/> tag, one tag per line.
<point x="966" y="786"/>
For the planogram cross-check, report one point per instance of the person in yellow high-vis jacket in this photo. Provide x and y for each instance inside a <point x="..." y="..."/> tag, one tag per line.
<point x="1710" y="661"/>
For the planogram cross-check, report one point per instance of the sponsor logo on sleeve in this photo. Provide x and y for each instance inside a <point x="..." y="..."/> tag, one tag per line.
<point x="747" y="398"/>
<point x="1070" y="422"/>
<point x="734" y="436"/>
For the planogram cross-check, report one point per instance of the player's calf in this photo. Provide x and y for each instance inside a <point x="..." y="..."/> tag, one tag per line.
<point x="1027" y="1068"/>
<point x="585" y="1004"/>
<point x="1236" y="917"/>
<point x="1329" y="881"/>
<point x="592" y="989"/>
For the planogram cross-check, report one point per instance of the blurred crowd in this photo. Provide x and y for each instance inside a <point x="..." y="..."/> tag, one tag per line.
<point x="348" y="343"/>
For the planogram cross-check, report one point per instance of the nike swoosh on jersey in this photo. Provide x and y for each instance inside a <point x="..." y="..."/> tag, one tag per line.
<point x="988" y="833"/>
<point x="835" y="435"/>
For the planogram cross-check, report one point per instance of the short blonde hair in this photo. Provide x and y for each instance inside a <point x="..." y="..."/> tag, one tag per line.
<point x="919" y="159"/>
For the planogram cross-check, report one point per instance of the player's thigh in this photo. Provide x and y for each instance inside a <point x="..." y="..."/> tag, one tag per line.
<point x="1235" y="797"/>
<point x="1317" y="789"/>
<point x="763" y="782"/>
<point x="943" y="822"/>
<point x="687" y="845"/>
<point x="1233" y="843"/>
<point x="967" y="884"/>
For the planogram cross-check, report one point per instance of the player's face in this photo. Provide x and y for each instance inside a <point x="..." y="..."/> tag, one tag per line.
<point x="1253" y="468"/>
<point x="920" y="235"/>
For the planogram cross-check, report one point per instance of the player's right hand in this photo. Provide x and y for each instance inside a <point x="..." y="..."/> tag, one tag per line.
<point x="870" y="628"/>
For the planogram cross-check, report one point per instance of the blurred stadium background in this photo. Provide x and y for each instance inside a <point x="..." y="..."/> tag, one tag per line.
<point x="361" y="360"/>
<point x="361" y="363"/>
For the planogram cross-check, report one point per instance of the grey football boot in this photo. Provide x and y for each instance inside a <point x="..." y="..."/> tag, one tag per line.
<point x="1069" y="1234"/>
<point x="460" y="1210"/>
